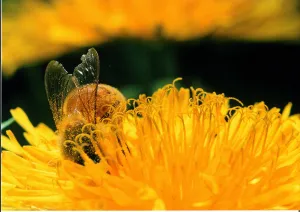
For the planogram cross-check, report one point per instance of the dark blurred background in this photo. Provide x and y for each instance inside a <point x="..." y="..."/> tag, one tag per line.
<point x="249" y="71"/>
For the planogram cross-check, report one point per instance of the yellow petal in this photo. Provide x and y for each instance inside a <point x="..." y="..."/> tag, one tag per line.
<point x="22" y="119"/>
<point x="11" y="144"/>
<point x="286" y="111"/>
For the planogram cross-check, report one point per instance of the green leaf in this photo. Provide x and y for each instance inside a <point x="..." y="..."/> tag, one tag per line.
<point x="7" y="123"/>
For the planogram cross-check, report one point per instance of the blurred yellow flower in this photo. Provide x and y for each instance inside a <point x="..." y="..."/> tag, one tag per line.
<point x="173" y="151"/>
<point x="36" y="30"/>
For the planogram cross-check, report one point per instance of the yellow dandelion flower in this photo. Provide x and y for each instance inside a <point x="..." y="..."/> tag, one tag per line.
<point x="178" y="149"/>
<point x="67" y="25"/>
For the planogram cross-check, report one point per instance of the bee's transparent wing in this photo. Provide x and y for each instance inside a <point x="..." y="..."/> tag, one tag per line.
<point x="88" y="71"/>
<point x="58" y="84"/>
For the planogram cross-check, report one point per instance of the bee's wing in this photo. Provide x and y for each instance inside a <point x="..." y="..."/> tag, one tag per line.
<point x="58" y="84"/>
<point x="88" y="71"/>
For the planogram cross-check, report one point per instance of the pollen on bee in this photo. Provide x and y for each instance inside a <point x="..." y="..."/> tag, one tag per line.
<point x="77" y="138"/>
<point x="82" y="141"/>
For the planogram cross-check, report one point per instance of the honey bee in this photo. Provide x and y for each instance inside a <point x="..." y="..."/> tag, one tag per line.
<point x="78" y="99"/>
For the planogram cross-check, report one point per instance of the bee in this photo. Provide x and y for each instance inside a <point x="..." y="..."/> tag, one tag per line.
<point x="79" y="99"/>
